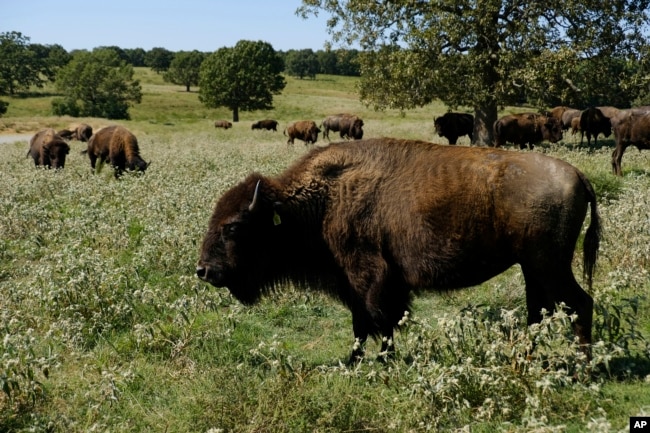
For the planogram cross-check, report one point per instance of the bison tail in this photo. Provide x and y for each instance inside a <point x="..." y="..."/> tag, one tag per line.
<point x="592" y="237"/>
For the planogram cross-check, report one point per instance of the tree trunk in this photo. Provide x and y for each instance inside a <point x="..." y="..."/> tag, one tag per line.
<point x="484" y="117"/>
<point x="187" y="87"/>
<point x="235" y="114"/>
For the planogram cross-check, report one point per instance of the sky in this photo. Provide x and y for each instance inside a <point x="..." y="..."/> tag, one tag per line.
<point x="181" y="25"/>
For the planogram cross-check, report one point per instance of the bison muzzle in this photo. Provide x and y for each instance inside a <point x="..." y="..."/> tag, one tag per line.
<point x="373" y="221"/>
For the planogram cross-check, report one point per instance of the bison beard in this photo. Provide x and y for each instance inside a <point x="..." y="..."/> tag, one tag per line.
<point x="372" y="221"/>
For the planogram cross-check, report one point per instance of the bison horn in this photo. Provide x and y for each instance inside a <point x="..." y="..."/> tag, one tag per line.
<point x="251" y="207"/>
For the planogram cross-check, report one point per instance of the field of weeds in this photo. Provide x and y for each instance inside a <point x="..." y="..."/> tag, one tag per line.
<point x="106" y="328"/>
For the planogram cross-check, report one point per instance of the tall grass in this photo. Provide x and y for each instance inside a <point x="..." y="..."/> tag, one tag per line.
<point x="105" y="327"/>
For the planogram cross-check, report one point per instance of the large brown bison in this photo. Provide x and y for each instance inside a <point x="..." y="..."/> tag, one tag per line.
<point x="81" y="132"/>
<point x="526" y="129"/>
<point x="630" y="129"/>
<point x="454" y="125"/>
<point x="347" y="125"/>
<point x="373" y="221"/>
<point x="564" y="114"/>
<point x="48" y="149"/>
<point x="268" y="124"/>
<point x="305" y="130"/>
<point x="594" y="122"/>
<point x="222" y="124"/>
<point x="117" y="145"/>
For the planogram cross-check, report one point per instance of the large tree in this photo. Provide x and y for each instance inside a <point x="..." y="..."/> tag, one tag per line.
<point x="244" y="77"/>
<point x="20" y="67"/>
<point x="489" y="53"/>
<point x="97" y="84"/>
<point x="184" y="69"/>
<point x="302" y="63"/>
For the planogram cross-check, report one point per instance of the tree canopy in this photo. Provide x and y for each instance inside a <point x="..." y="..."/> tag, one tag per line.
<point x="302" y="63"/>
<point x="184" y="68"/>
<point x="97" y="84"/>
<point x="489" y="53"/>
<point x="23" y="65"/>
<point x="244" y="77"/>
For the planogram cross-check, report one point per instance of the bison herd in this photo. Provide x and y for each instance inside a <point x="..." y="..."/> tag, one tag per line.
<point x="631" y="127"/>
<point x="113" y="144"/>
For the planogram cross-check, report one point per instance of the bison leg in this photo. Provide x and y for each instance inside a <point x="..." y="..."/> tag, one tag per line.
<point x="617" y="156"/>
<point x="453" y="139"/>
<point x="546" y="287"/>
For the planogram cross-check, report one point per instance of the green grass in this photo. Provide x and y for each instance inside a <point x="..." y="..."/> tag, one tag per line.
<point x="106" y="328"/>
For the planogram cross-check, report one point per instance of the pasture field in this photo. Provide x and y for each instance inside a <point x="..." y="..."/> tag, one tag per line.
<point x="105" y="327"/>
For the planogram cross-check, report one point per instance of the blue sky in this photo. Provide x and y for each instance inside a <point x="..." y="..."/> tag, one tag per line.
<point x="174" y="25"/>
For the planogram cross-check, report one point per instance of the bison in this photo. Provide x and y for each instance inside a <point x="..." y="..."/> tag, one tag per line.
<point x="268" y="124"/>
<point x="222" y="124"/>
<point x="373" y="221"/>
<point x="48" y="149"/>
<point x="81" y="132"/>
<point x="347" y="125"/>
<point x="594" y="122"/>
<point x="117" y="145"/>
<point x="564" y="114"/>
<point x="305" y="130"/>
<point x="526" y="129"/>
<point x="454" y="125"/>
<point x="631" y="128"/>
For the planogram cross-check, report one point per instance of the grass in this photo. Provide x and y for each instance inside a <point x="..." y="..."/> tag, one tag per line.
<point x="106" y="328"/>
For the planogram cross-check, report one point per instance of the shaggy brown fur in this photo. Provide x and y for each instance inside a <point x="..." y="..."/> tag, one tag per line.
<point x="373" y="221"/>
<point x="117" y="145"/>
<point x="526" y="129"/>
<point x="222" y="124"/>
<point x="268" y="124"/>
<point x="454" y="125"/>
<point x="305" y="130"/>
<point x="594" y="122"/>
<point x="347" y="125"/>
<point x="48" y="149"/>
<point x="631" y="128"/>
<point x="81" y="132"/>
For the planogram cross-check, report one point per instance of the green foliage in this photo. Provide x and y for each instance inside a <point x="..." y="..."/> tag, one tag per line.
<point x="159" y="59"/>
<point x="495" y="53"/>
<point x="97" y="84"/>
<point x="302" y="63"/>
<point x="244" y="77"/>
<point x="20" y="67"/>
<point x="184" y="69"/>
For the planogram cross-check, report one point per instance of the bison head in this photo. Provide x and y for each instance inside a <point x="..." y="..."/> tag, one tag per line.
<point x="54" y="153"/>
<point x="552" y="130"/>
<point x="439" y="124"/>
<point x="240" y="246"/>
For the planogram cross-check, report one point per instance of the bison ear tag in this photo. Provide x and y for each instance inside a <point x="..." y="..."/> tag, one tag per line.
<point x="276" y="219"/>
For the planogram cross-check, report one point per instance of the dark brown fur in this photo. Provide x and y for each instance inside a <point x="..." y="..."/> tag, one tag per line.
<point x="373" y="221"/>
<point x="81" y="132"/>
<point x="454" y="125"/>
<point x="594" y="122"/>
<point x="222" y="124"/>
<point x="526" y="129"/>
<point x="564" y="114"/>
<point x="631" y="128"/>
<point x="305" y="130"/>
<point x="48" y="149"/>
<point x="117" y="145"/>
<point x="347" y="125"/>
<point x="268" y="124"/>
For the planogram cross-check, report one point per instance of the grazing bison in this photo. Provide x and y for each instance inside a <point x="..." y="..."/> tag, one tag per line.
<point x="575" y="126"/>
<point x="526" y="129"/>
<point x="268" y="124"/>
<point x="222" y="124"/>
<point x="373" y="221"/>
<point x="347" y="125"/>
<point x="82" y="132"/>
<point x="594" y="122"/>
<point x="48" y="149"/>
<point x="564" y="114"/>
<point x="630" y="129"/>
<point x="117" y="145"/>
<point x="305" y="130"/>
<point x="454" y="125"/>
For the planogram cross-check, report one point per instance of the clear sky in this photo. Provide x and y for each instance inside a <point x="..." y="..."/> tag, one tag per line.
<point x="175" y="25"/>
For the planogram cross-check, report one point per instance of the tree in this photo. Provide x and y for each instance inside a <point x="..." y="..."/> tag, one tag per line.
<point x="97" y="84"/>
<point x="488" y="53"/>
<point x="244" y="77"/>
<point x="302" y="63"/>
<point x="50" y="58"/>
<point x="20" y="67"/>
<point x="159" y="59"/>
<point x="184" y="69"/>
<point x="136" y="56"/>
